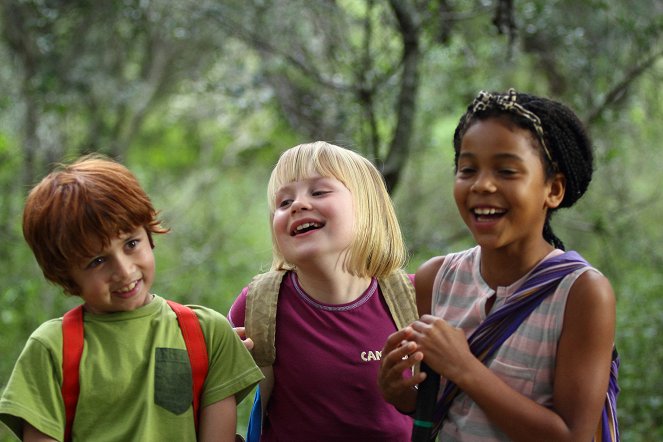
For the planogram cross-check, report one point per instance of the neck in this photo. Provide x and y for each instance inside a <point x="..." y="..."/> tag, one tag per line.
<point x="503" y="267"/>
<point x="334" y="287"/>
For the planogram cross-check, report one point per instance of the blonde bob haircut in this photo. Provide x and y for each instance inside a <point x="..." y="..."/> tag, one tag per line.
<point x="378" y="248"/>
<point x="78" y="209"/>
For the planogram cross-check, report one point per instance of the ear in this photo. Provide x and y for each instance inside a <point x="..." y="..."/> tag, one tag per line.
<point x="556" y="191"/>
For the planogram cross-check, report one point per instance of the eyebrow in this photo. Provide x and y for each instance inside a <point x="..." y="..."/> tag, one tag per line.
<point x="499" y="156"/>
<point x="283" y="189"/>
<point x="128" y="235"/>
<point x="310" y="180"/>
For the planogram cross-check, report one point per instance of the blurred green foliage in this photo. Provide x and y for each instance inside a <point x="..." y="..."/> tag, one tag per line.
<point x="198" y="98"/>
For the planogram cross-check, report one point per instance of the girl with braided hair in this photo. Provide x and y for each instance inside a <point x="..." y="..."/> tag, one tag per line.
<point x="521" y="332"/>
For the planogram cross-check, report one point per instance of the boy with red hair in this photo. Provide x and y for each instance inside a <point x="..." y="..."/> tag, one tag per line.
<point x="90" y="226"/>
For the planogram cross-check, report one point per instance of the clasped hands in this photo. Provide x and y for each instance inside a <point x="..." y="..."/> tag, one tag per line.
<point x="431" y="339"/>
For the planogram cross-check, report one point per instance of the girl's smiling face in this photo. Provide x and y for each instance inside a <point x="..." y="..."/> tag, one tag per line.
<point x="120" y="277"/>
<point x="313" y="219"/>
<point x="500" y="187"/>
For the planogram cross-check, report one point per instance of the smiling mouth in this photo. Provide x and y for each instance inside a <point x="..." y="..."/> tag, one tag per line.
<point x="127" y="291"/>
<point x="487" y="213"/>
<point x="128" y="288"/>
<point x="306" y="227"/>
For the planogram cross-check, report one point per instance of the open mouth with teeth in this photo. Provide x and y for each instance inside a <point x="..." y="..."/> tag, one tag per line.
<point x="306" y="227"/>
<point x="128" y="288"/>
<point x="487" y="213"/>
<point x="128" y="291"/>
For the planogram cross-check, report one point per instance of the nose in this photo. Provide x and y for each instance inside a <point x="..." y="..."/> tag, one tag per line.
<point x="300" y="203"/>
<point x="122" y="268"/>
<point x="484" y="183"/>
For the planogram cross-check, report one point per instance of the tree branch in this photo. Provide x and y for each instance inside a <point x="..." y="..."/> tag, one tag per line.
<point x="619" y="89"/>
<point x="406" y="104"/>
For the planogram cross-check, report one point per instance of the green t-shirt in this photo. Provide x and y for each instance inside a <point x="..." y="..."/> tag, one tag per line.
<point x="135" y="376"/>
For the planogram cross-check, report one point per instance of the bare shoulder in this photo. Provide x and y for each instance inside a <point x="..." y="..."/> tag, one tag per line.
<point x="590" y="314"/>
<point x="429" y="269"/>
<point x="423" y="281"/>
<point x="591" y="290"/>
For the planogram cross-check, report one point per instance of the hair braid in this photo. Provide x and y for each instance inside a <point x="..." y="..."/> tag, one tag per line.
<point x="568" y="142"/>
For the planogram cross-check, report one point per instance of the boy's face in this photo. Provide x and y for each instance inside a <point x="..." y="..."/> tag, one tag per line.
<point x="120" y="277"/>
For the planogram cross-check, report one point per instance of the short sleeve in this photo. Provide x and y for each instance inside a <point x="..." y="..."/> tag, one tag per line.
<point x="232" y="370"/>
<point x="33" y="391"/>
<point x="237" y="312"/>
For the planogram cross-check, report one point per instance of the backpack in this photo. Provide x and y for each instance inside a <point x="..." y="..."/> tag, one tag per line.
<point x="262" y="298"/>
<point x="72" y="350"/>
<point x="260" y="323"/>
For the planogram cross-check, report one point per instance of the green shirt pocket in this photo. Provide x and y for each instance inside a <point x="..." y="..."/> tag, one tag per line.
<point x="173" y="384"/>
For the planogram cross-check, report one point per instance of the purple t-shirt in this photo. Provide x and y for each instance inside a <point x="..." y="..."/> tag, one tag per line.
<point x="326" y="367"/>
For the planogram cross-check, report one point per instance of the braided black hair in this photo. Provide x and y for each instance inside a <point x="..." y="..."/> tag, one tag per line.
<point x="568" y="149"/>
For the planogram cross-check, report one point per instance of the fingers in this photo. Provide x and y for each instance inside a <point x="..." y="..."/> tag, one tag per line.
<point x="395" y="339"/>
<point x="394" y="379"/>
<point x="395" y="363"/>
<point x="428" y="319"/>
<point x="248" y="343"/>
<point x="427" y="322"/>
<point x="241" y="332"/>
<point x="404" y="356"/>
<point x="428" y="327"/>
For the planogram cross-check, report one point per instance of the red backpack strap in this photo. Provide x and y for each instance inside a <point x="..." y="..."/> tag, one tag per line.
<point x="72" y="350"/>
<point x="197" y="349"/>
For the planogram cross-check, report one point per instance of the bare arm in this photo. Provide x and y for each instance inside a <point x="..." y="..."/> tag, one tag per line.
<point x="31" y="434"/>
<point x="581" y="374"/>
<point x="584" y="354"/>
<point x="218" y="421"/>
<point x="398" y="355"/>
<point x="424" y="279"/>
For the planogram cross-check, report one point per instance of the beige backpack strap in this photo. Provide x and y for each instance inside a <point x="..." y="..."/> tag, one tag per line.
<point x="398" y="292"/>
<point x="260" y="316"/>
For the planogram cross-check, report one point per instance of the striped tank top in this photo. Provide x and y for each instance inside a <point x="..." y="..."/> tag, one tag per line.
<point x="526" y="360"/>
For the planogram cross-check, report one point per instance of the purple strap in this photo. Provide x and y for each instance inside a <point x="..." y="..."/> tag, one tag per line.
<point x="608" y="429"/>
<point x="500" y="324"/>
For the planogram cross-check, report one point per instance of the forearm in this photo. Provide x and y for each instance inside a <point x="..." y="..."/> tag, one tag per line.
<point x="521" y="418"/>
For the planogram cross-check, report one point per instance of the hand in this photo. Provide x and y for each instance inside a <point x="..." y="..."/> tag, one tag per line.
<point x="399" y="355"/>
<point x="445" y="348"/>
<point x="241" y="332"/>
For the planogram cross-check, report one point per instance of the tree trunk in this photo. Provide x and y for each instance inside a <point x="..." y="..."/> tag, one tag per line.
<point x="407" y="100"/>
